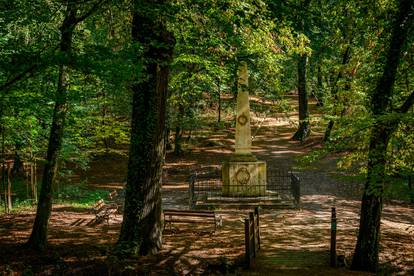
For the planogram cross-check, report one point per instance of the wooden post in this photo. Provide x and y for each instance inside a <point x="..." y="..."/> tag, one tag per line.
<point x="32" y="180"/>
<point x="26" y="173"/>
<point x="247" y="241"/>
<point x="253" y="232"/>
<point x="191" y="192"/>
<point x="9" y="197"/>
<point x="35" y="180"/>
<point x="333" y="238"/>
<point x="256" y="212"/>
<point x="295" y="187"/>
<point x="3" y="180"/>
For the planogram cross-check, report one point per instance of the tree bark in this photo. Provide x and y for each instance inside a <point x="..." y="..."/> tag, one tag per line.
<point x="3" y="154"/>
<point x="141" y="231"/>
<point x="304" y="127"/>
<point x="38" y="237"/>
<point x="319" y="87"/>
<point x="177" y="141"/>
<point x="18" y="163"/>
<point x="346" y="57"/>
<point x="366" y="250"/>
<point x="219" y="99"/>
<point x="178" y="150"/>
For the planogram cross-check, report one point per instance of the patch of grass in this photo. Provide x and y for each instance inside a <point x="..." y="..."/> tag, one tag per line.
<point x="78" y="196"/>
<point x="20" y="206"/>
<point x="397" y="188"/>
<point x="74" y="195"/>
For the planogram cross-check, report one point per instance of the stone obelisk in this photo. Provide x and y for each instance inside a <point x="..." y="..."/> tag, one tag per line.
<point x="243" y="174"/>
<point x="243" y="131"/>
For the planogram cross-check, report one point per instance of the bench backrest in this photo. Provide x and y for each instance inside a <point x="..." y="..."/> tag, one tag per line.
<point x="112" y="195"/>
<point x="189" y="213"/>
<point x="98" y="205"/>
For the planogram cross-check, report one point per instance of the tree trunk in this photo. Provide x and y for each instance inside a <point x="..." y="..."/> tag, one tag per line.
<point x="177" y="140"/>
<point x="319" y="91"/>
<point x="38" y="237"/>
<point x="167" y="143"/>
<point x="18" y="163"/>
<point x="3" y="155"/>
<point x="219" y="99"/>
<point x="366" y="249"/>
<point x="346" y="57"/>
<point x="234" y="86"/>
<point x="366" y="253"/>
<point x="141" y="231"/>
<point x="304" y="127"/>
<point x="178" y="150"/>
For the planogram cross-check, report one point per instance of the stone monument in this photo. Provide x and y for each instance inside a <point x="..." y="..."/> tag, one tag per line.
<point x="243" y="175"/>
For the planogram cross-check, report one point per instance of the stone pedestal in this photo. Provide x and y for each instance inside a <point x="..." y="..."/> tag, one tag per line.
<point x="243" y="179"/>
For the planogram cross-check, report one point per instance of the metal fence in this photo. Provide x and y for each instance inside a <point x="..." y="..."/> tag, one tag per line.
<point x="281" y="184"/>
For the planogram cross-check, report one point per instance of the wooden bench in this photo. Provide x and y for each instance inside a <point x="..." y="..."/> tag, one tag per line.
<point x="191" y="216"/>
<point x="114" y="198"/>
<point x="112" y="195"/>
<point x="103" y="211"/>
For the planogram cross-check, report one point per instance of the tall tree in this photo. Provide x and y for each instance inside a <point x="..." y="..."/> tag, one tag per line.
<point x="304" y="126"/>
<point x="141" y="231"/>
<point x="38" y="237"/>
<point x="366" y="250"/>
<point x="298" y="13"/>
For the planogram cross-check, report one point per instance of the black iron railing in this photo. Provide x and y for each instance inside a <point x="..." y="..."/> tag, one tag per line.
<point x="281" y="184"/>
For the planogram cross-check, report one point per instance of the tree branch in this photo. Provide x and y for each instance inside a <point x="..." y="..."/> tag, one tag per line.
<point x="407" y="104"/>
<point x="18" y="77"/>
<point x="90" y="12"/>
<point x="38" y="62"/>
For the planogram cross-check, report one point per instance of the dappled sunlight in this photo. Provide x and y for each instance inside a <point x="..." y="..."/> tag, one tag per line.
<point x="293" y="241"/>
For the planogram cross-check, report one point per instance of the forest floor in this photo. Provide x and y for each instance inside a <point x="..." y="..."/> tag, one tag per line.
<point x="294" y="242"/>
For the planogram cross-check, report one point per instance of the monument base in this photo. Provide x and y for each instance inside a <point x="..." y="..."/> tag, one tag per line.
<point x="244" y="178"/>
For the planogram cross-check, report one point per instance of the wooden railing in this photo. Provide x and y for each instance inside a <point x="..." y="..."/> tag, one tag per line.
<point x="251" y="236"/>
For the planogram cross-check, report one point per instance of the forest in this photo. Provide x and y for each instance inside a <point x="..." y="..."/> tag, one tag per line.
<point x="116" y="116"/>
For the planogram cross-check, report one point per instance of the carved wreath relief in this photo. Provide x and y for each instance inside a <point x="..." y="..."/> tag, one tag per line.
<point x="242" y="176"/>
<point x="242" y="119"/>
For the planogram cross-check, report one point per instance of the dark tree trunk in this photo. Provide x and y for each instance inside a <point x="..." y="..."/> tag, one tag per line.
<point x="3" y="155"/>
<point x="219" y="99"/>
<point x="38" y="238"/>
<point x="167" y="143"/>
<point x="235" y="79"/>
<point x="319" y="88"/>
<point x="346" y="57"/>
<point x="177" y="141"/>
<point x="366" y="250"/>
<point x="178" y="150"/>
<point x="366" y="253"/>
<point x="304" y="127"/>
<point x="18" y="163"/>
<point x="141" y="231"/>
